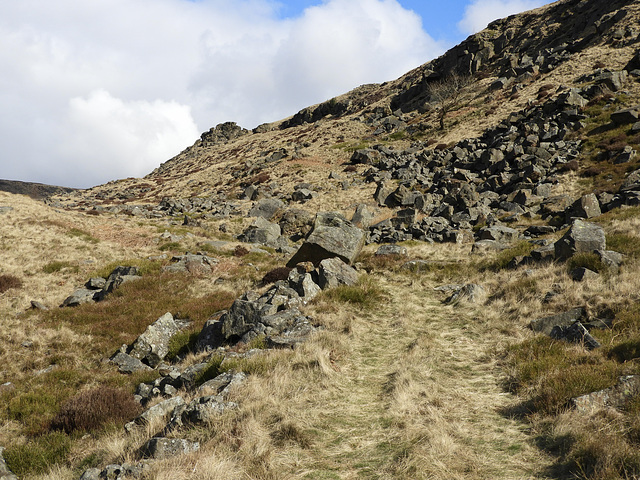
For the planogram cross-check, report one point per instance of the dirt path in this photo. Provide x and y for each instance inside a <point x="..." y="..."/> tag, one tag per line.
<point x="418" y="396"/>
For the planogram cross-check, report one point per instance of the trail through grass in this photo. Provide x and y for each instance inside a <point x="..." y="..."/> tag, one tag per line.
<point x="417" y="395"/>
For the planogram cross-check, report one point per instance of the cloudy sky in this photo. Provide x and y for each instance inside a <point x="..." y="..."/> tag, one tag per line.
<point x="92" y="91"/>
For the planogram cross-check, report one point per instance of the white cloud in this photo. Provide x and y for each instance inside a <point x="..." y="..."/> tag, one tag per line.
<point x="479" y="13"/>
<point x="92" y="91"/>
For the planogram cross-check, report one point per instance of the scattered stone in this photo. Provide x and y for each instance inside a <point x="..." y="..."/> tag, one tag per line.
<point x="198" y="264"/>
<point x="626" y="116"/>
<point x="582" y="274"/>
<point x="119" y="276"/>
<point x="153" y="345"/>
<point x="612" y="260"/>
<point x="35" y="305"/>
<point x="128" y="364"/>
<point x="332" y="236"/>
<point x="627" y="388"/>
<point x="362" y="217"/>
<point x="266" y="208"/>
<point x="80" y="297"/>
<point x="587" y="206"/>
<point x="158" y="412"/>
<point x="262" y="232"/>
<point x="160" y="448"/>
<point x="333" y="272"/>
<point x="470" y="293"/>
<point x="391" y="250"/>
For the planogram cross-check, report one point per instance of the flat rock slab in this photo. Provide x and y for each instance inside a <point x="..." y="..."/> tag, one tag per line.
<point x="160" y="448"/>
<point x="545" y="324"/>
<point x="617" y="396"/>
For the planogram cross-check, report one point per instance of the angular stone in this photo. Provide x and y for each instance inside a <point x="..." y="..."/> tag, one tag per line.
<point x="332" y="236"/>
<point x="158" y="412"/>
<point x="582" y="274"/>
<point x="96" y="283"/>
<point x="120" y="275"/>
<point x="499" y="233"/>
<point x="362" y="217"/>
<point x="241" y="317"/>
<point x="127" y="363"/>
<point x="153" y="345"/>
<point x="582" y="237"/>
<point x="303" y="284"/>
<point x="612" y="260"/>
<point x="79" y="297"/>
<point x="160" y="448"/>
<point x="587" y="206"/>
<point x="471" y="293"/>
<point x="333" y="272"/>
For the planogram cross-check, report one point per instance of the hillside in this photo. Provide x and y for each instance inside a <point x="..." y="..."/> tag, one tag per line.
<point x="434" y="277"/>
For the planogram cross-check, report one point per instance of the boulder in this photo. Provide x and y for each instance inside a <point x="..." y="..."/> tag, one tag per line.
<point x="582" y="237"/>
<point x="159" y="412"/>
<point x="582" y="274"/>
<point x="242" y="316"/>
<point x="120" y="275"/>
<point x="303" y="284"/>
<point x="153" y="345"/>
<point x="499" y="233"/>
<point x="469" y="293"/>
<point x="295" y="221"/>
<point x="160" y="448"/>
<point x="333" y="272"/>
<point x="332" y="236"/>
<point x="626" y="116"/>
<point x="362" y="217"/>
<point x="610" y="259"/>
<point x="198" y="264"/>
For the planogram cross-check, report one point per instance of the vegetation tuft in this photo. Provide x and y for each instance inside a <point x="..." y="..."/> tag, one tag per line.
<point x="92" y="409"/>
<point x="365" y="294"/>
<point x="7" y="282"/>
<point x="38" y="455"/>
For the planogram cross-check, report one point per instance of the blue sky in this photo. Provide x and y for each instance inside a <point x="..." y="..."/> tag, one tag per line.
<point x="100" y="90"/>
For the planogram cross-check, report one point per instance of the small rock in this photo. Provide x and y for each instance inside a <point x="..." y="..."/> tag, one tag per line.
<point x="160" y="448"/>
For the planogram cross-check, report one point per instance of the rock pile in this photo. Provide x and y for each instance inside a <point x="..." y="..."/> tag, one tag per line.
<point x="96" y="289"/>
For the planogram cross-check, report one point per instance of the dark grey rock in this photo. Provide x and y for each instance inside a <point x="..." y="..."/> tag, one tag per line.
<point x="262" y="232"/>
<point x="96" y="283"/>
<point x="582" y="237"/>
<point x="612" y="260"/>
<point x="127" y="363"/>
<point x="565" y="319"/>
<point x="197" y="264"/>
<point x="89" y="474"/>
<point x="470" y="293"/>
<point x="587" y="206"/>
<point x="582" y="274"/>
<point x="574" y="333"/>
<point x="332" y="236"/>
<point x="160" y="411"/>
<point x="295" y="221"/>
<point x="302" y="282"/>
<point x="499" y="233"/>
<point x="80" y="297"/>
<point x="120" y="275"/>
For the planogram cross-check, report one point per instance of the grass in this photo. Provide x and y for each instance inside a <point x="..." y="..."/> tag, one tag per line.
<point x="8" y="282"/>
<point x="503" y="258"/>
<point x="365" y="294"/>
<point x="37" y="456"/>
<point x="57" y="266"/>
<point x="82" y="235"/>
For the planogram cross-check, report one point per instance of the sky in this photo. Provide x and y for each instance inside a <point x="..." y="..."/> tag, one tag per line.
<point x="93" y="91"/>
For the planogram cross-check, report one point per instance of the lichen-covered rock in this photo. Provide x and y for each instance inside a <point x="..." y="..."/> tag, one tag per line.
<point x="160" y="448"/>
<point x="617" y="396"/>
<point x="153" y="345"/>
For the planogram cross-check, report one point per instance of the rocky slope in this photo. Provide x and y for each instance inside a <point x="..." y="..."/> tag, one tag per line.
<point x="428" y="278"/>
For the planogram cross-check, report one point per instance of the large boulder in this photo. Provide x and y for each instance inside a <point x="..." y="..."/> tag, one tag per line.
<point x="153" y="345"/>
<point x="332" y="236"/>
<point x="582" y="237"/>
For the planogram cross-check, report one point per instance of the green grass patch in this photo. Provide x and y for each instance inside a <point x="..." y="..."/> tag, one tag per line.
<point x="625" y="243"/>
<point x="587" y="260"/>
<point x="503" y="258"/>
<point x="57" y="266"/>
<point x="82" y="235"/>
<point x="214" y="368"/>
<point x="39" y="454"/>
<point x="170" y="246"/>
<point x="145" y="267"/>
<point x="365" y="294"/>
